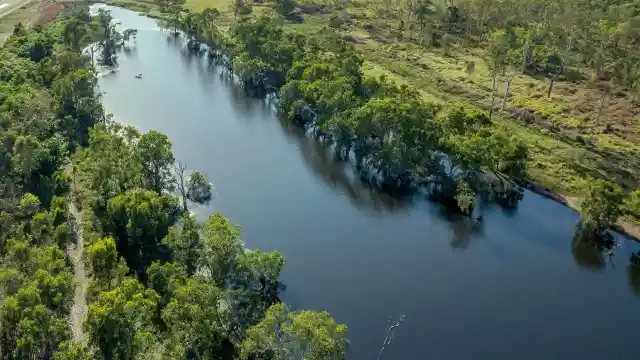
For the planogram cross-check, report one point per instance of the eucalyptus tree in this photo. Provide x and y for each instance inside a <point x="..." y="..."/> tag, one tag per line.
<point x="108" y="38"/>
<point x="174" y="8"/>
<point x="601" y="208"/>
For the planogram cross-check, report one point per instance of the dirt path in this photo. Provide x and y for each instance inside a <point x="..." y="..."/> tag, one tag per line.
<point x="79" y="308"/>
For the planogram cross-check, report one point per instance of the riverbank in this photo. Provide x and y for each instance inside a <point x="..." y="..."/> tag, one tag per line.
<point x="627" y="228"/>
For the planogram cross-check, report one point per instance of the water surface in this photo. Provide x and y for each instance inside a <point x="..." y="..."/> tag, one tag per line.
<point x="516" y="289"/>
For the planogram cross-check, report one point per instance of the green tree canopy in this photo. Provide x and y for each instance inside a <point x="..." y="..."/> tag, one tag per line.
<point x="139" y="219"/>
<point x="287" y="335"/>
<point x="119" y="321"/>
<point x="602" y="207"/>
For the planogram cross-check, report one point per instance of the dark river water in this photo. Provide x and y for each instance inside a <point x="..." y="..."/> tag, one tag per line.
<point x="516" y="289"/>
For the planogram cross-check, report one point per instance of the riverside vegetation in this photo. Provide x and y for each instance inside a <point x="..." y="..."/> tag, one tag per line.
<point x="162" y="285"/>
<point x="527" y="66"/>
<point x="398" y="140"/>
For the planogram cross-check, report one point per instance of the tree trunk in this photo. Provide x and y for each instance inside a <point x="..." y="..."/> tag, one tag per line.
<point x="493" y="97"/>
<point x="184" y="202"/>
<point x="525" y="59"/>
<point x="551" y="80"/>
<point x="604" y="97"/>
<point x="506" y="94"/>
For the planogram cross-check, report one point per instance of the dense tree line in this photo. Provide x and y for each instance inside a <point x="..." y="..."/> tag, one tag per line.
<point x="162" y="284"/>
<point x="397" y="141"/>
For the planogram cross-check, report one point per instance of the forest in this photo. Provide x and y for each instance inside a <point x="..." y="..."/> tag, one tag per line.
<point x="161" y="284"/>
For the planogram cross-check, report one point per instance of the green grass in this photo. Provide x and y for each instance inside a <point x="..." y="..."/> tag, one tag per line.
<point x="224" y="6"/>
<point x="18" y="15"/>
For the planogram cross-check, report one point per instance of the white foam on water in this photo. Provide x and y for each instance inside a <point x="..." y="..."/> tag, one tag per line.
<point x="102" y="73"/>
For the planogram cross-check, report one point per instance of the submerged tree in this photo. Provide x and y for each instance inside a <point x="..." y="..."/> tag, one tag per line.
<point x="465" y="197"/>
<point x="128" y="35"/>
<point x="193" y="187"/>
<point x="601" y="208"/>
<point x="108" y="38"/>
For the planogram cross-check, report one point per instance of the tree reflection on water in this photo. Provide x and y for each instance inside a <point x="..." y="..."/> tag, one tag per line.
<point x="633" y="274"/>
<point x="587" y="252"/>
<point x="333" y="171"/>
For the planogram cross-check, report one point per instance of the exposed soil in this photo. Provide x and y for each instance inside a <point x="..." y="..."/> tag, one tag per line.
<point x="46" y="12"/>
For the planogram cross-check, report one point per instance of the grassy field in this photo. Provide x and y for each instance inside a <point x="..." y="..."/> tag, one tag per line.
<point x="34" y="12"/>
<point x="569" y="147"/>
<point x="20" y="14"/>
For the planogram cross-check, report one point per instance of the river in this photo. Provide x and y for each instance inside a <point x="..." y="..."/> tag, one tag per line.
<point x="514" y="289"/>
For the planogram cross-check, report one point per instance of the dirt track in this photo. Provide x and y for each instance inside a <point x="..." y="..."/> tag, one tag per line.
<point x="75" y="251"/>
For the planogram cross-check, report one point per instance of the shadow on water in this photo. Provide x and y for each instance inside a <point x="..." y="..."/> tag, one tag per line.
<point x="464" y="229"/>
<point x="586" y="252"/>
<point x="608" y="251"/>
<point x="130" y="51"/>
<point x="335" y="173"/>
<point x="206" y="74"/>
<point x="633" y="274"/>
<point x="246" y="105"/>
<point x="340" y="176"/>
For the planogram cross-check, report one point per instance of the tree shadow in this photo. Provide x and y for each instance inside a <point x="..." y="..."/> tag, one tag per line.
<point x="633" y="276"/>
<point x="338" y="174"/>
<point x="130" y="51"/>
<point x="464" y="230"/>
<point x="589" y="250"/>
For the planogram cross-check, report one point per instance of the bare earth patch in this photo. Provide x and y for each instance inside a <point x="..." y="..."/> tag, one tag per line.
<point x="45" y="13"/>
